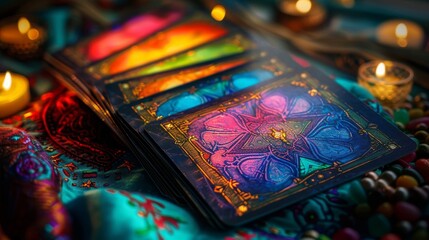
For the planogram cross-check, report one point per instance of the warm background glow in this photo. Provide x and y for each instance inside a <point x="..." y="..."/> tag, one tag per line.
<point x="401" y="31"/>
<point x="23" y="25"/>
<point x="303" y="6"/>
<point x="347" y="3"/>
<point x="33" y="34"/>
<point x="218" y="12"/>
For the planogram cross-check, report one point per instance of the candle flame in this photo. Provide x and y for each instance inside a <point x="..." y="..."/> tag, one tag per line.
<point x="7" y="81"/>
<point x="303" y="6"/>
<point x="23" y="25"/>
<point x="401" y="30"/>
<point x="218" y="13"/>
<point x="380" y="71"/>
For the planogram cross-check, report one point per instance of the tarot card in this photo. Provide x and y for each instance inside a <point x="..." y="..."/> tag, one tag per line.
<point x="275" y="144"/>
<point x="196" y="31"/>
<point x="122" y="35"/>
<point x="233" y="44"/>
<point x="192" y="32"/>
<point x="136" y="144"/>
<point x="204" y="91"/>
<point x="132" y="90"/>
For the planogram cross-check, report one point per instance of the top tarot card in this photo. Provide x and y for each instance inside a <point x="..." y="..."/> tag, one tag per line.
<point x="195" y="31"/>
<point x="122" y="36"/>
<point x="276" y="144"/>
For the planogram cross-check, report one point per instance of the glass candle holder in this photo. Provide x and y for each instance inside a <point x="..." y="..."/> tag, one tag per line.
<point x="390" y="82"/>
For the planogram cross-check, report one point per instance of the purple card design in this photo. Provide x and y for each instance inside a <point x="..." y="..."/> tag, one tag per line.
<point x="267" y="148"/>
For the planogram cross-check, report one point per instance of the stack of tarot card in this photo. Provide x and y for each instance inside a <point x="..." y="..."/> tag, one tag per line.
<point x="220" y="120"/>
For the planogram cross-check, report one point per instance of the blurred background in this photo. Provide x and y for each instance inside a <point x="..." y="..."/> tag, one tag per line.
<point x="336" y="35"/>
<point x="339" y="33"/>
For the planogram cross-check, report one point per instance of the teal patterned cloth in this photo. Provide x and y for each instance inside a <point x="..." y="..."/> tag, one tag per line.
<point x="116" y="214"/>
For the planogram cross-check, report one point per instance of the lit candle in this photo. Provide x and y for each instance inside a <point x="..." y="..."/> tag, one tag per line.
<point x="14" y="93"/>
<point x="400" y="33"/>
<point x="380" y="71"/>
<point x="21" y="38"/>
<point x="390" y="82"/>
<point x="300" y="15"/>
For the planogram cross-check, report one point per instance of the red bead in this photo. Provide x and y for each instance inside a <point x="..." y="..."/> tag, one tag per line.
<point x="346" y="233"/>
<point x="390" y="236"/>
<point x="422" y="166"/>
<point x="413" y="123"/>
<point x="409" y="158"/>
<point x="403" y="163"/>
<point x="406" y="212"/>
